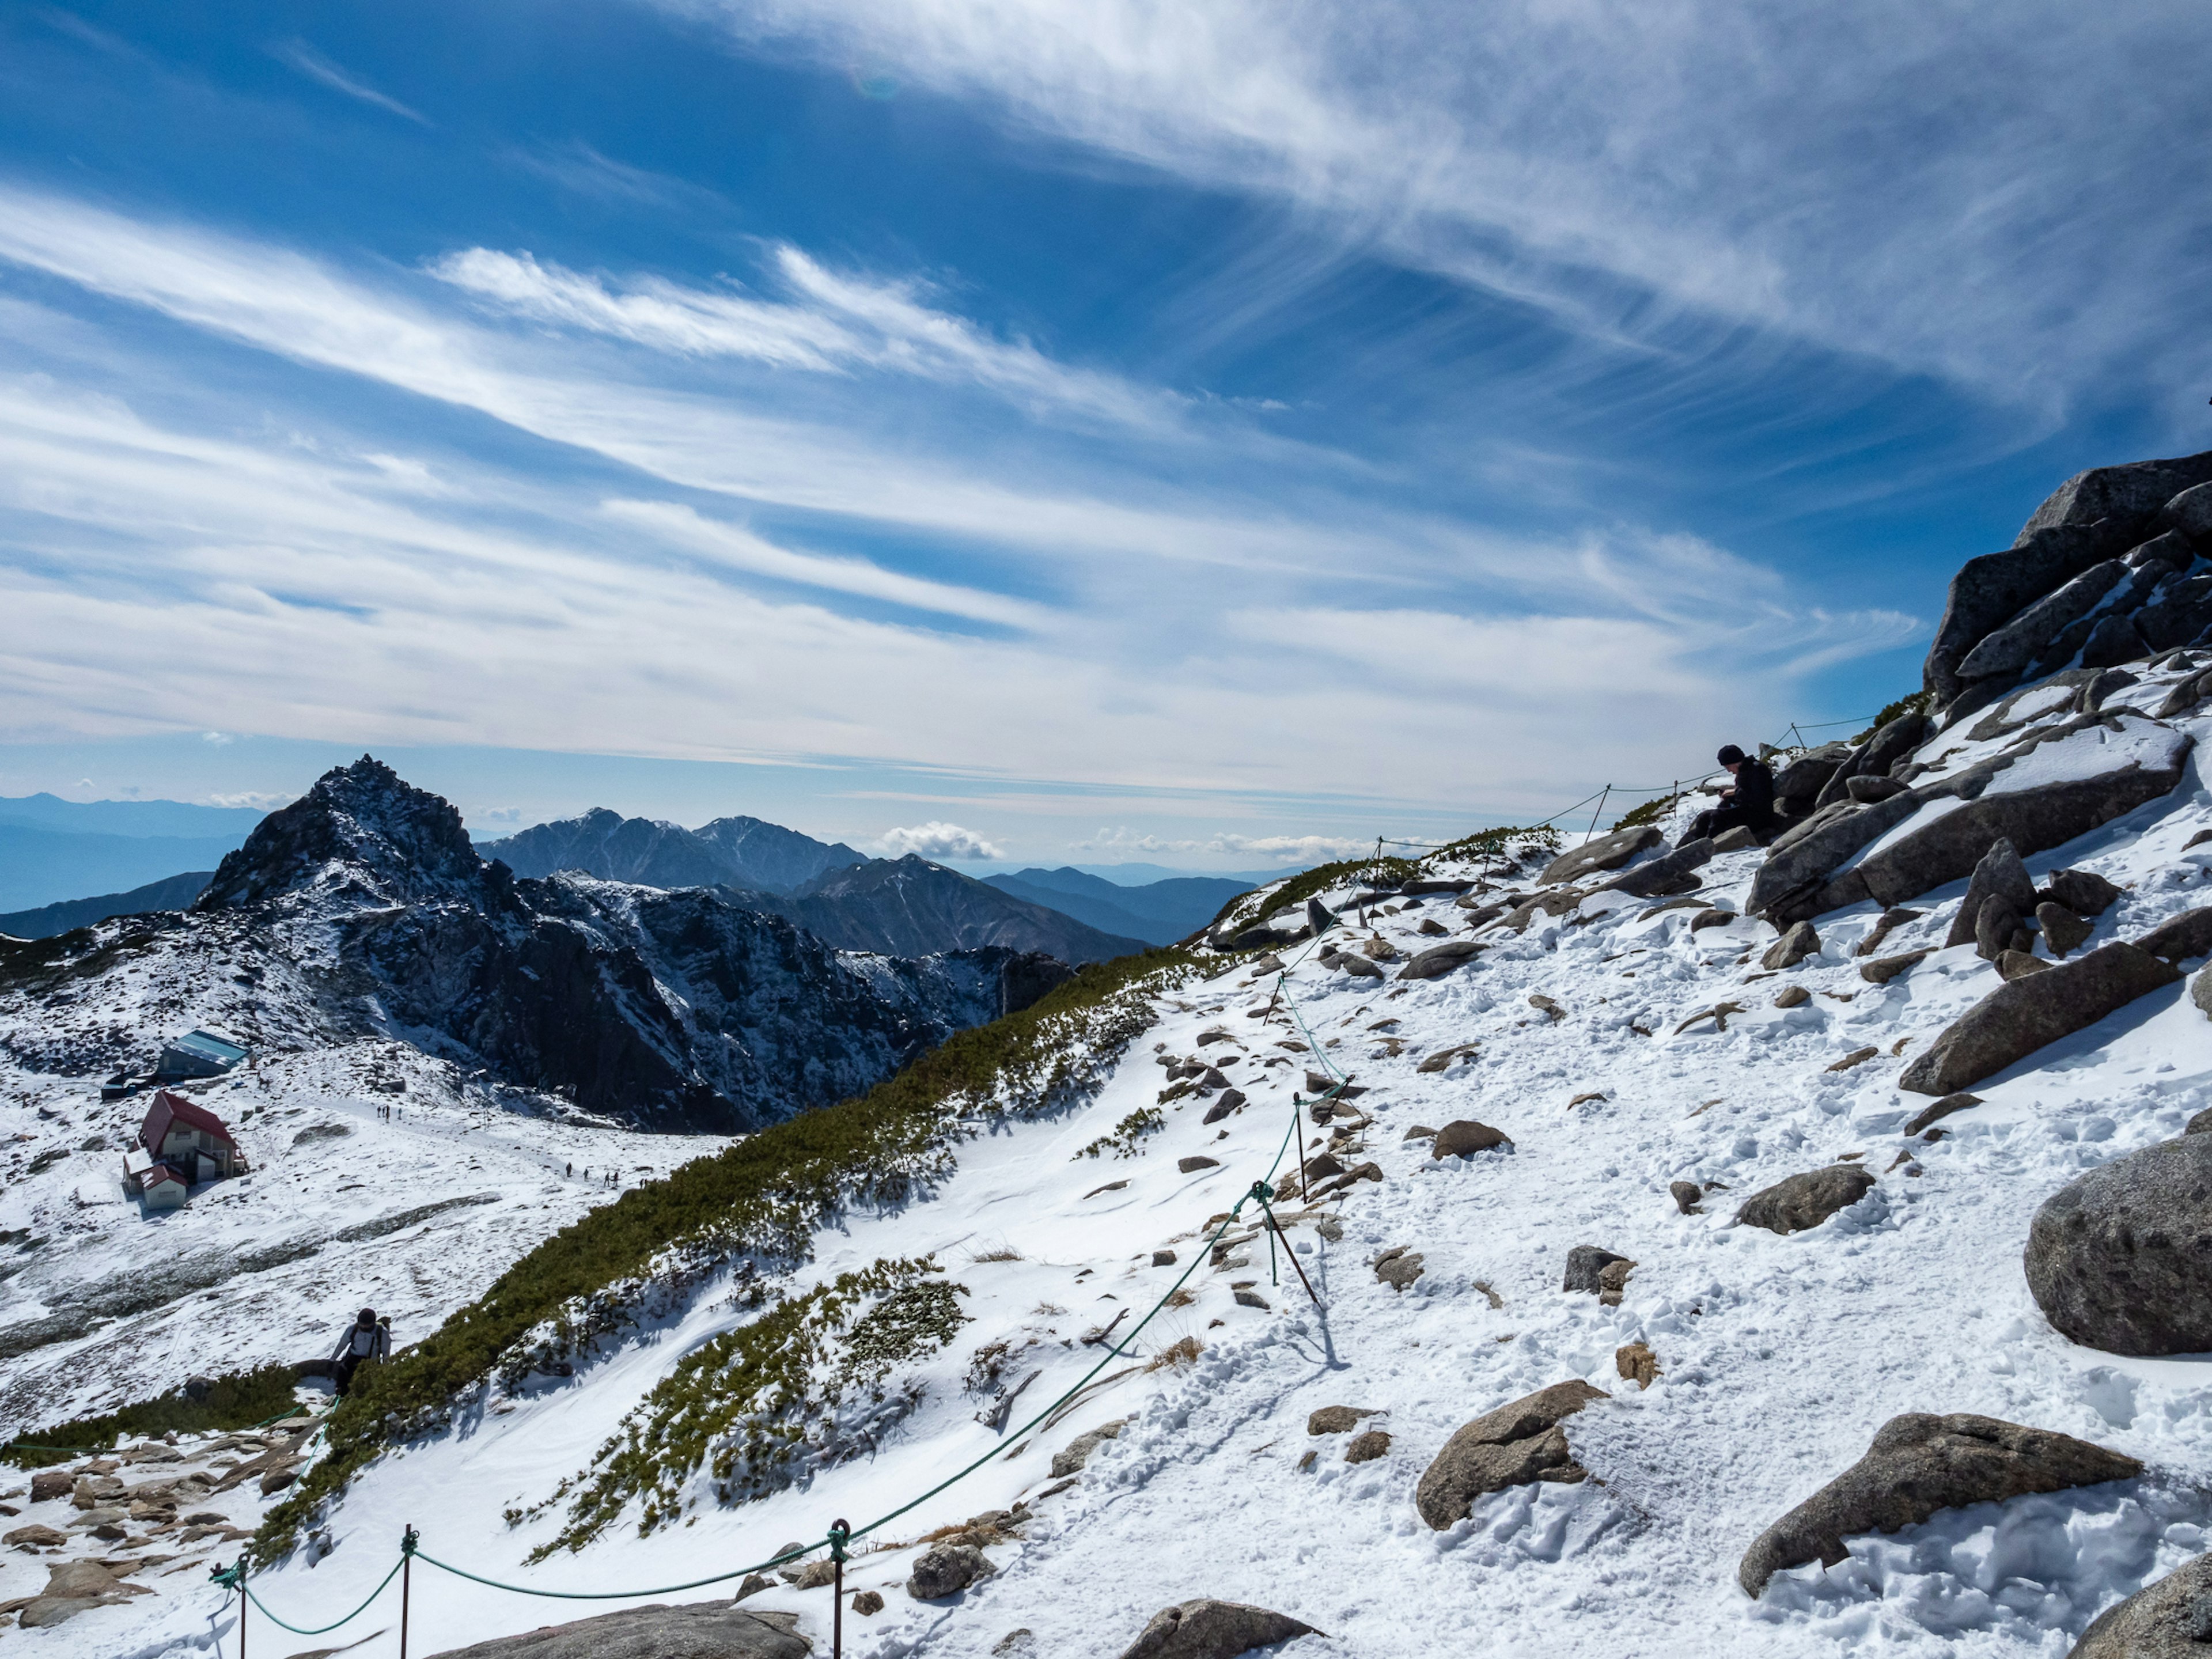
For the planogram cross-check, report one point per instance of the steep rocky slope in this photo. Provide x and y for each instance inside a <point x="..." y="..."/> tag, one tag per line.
<point x="909" y="905"/>
<point x="733" y="852"/>
<point x="1659" y="1301"/>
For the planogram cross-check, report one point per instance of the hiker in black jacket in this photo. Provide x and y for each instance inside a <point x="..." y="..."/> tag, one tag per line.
<point x="367" y="1338"/>
<point x="1749" y="802"/>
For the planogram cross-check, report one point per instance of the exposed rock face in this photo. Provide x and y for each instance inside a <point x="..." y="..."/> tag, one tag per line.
<point x="695" y="1630"/>
<point x="2091" y="519"/>
<point x="1213" y="1629"/>
<point x="2022" y="1015"/>
<point x="1605" y="853"/>
<point x="2169" y="1619"/>
<point x="1516" y="1445"/>
<point x="2180" y="938"/>
<point x="2120" y="1258"/>
<point x="1806" y="1200"/>
<point x="1999" y="875"/>
<point x="1918" y="1464"/>
<point x="743" y="853"/>
<point x="1675" y="872"/>
<point x="667" y="1008"/>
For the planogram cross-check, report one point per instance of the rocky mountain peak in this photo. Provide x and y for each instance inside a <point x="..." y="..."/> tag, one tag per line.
<point x="362" y="830"/>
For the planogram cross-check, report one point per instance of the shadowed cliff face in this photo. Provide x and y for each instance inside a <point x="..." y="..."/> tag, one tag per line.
<point x="670" y="1009"/>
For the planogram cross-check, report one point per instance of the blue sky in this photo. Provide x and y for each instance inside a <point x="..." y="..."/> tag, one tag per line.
<point x="1204" y="434"/>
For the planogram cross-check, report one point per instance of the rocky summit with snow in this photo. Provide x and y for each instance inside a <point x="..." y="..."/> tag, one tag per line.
<point x="1774" y="1245"/>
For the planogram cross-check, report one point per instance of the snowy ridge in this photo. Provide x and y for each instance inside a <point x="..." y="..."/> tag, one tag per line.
<point x="1777" y="1356"/>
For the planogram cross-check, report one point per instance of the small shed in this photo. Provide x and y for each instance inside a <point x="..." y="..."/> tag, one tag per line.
<point x="198" y="1053"/>
<point x="163" y="1188"/>
<point x="137" y="1162"/>
<point x="185" y="1133"/>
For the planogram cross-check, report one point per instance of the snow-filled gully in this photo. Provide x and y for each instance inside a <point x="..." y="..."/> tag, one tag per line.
<point x="1778" y="1356"/>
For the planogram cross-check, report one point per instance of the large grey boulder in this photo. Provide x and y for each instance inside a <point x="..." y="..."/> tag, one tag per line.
<point x="1805" y="1200"/>
<point x="2178" y="938"/>
<point x="1673" y="872"/>
<point x="1072" y="1456"/>
<point x="1999" y="874"/>
<point x="1440" y="959"/>
<point x="1464" y="1137"/>
<point x="2084" y="892"/>
<point x="2022" y="1015"/>
<point x="1208" y="1629"/>
<point x="1605" y="853"/>
<point x="2170" y="1619"/>
<point x="1890" y="743"/>
<point x="1797" y="786"/>
<point x="694" y="1630"/>
<point x="1586" y="1265"/>
<point x="944" y="1569"/>
<point x="2120" y="1258"/>
<point x="1920" y="1464"/>
<point x="2010" y="649"/>
<point x="1516" y="1445"/>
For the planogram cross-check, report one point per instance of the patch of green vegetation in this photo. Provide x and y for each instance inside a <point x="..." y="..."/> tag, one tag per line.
<point x="1654" y="810"/>
<point x="236" y="1399"/>
<point x="759" y="1405"/>
<point x="1917" y="703"/>
<point x="1123" y="1142"/>
<point x="1506" y="841"/>
<point x="761" y="1198"/>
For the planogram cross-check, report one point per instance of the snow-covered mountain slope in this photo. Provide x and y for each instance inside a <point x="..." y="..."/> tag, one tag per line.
<point x="743" y="853"/>
<point x="1626" y="1044"/>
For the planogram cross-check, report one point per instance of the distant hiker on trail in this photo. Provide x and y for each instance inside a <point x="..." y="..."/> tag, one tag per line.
<point x="367" y="1338"/>
<point x="1749" y="802"/>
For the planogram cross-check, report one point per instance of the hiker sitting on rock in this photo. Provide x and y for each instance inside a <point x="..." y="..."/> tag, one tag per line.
<point x="1749" y="802"/>
<point x="365" y="1339"/>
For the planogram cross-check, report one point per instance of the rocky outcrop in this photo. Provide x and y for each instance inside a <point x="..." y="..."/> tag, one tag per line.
<point x="1672" y="873"/>
<point x="1999" y="875"/>
<point x="1806" y="1200"/>
<point x="1516" y="1445"/>
<point x="1918" y="1464"/>
<point x="694" y="1630"/>
<point x="2022" y="1015"/>
<point x="944" y="1569"/>
<point x="1213" y="1629"/>
<point x="2169" y="1619"/>
<point x="2009" y="601"/>
<point x="2120" y="1258"/>
<point x="1440" y="959"/>
<point x="1585" y="1271"/>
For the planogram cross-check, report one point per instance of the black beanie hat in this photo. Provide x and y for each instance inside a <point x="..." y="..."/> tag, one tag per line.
<point x="1730" y="754"/>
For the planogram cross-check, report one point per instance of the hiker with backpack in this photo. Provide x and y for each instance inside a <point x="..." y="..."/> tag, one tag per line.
<point x="366" y="1338"/>
<point x="1749" y="802"/>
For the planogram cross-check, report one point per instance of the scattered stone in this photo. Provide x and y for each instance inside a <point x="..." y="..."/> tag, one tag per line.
<point x="1867" y="788"/>
<point x="1713" y="918"/>
<point x="1366" y="1448"/>
<point x="1251" y="1299"/>
<point x="1431" y="926"/>
<point x="2179" y="938"/>
<point x="1419" y="1132"/>
<point x="1516" y="1445"/>
<point x="754" y="1583"/>
<point x="2062" y="929"/>
<point x="1544" y="1006"/>
<point x="1439" y="959"/>
<point x="814" y="1575"/>
<point x="1336" y="1419"/>
<point x="2169" y="1619"/>
<point x="1585" y="1099"/>
<point x="1792" y="948"/>
<point x="1806" y="1200"/>
<point x="867" y="1604"/>
<point x="1023" y="1641"/>
<point x="1740" y="839"/>
<point x="1192" y="1165"/>
<point x="1613" y="1282"/>
<point x="2018" y="964"/>
<point x="2082" y="891"/>
<point x="1442" y="1059"/>
<point x="1672" y="873"/>
<point x="50" y="1484"/>
<point x="1883" y="969"/>
<point x="693" y="1630"/>
<point x="1586" y="1265"/>
<point x="35" y="1536"/>
<point x="1891" y="920"/>
<point x="1076" y="1452"/>
<point x="1359" y="967"/>
<point x="1999" y="928"/>
<point x="1920" y="1464"/>
<point x="2022" y="1015"/>
<point x="1465" y="1137"/>
<point x="1231" y="1101"/>
<point x="1398" y="1269"/>
<point x="1636" y="1363"/>
<point x="2116" y="1257"/>
<point x="1794" y="996"/>
<point x="1316" y="1084"/>
<point x="1943" y="1109"/>
<point x="1999" y="875"/>
<point x="1688" y="1196"/>
<point x="1213" y="1629"/>
<point x="1605" y="853"/>
<point x="276" y="1480"/>
<point x="944" y="1569"/>
<point x="1857" y="1057"/>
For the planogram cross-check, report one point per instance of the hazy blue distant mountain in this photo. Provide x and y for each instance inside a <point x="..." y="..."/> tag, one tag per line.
<point x="734" y="852"/>
<point x="1144" y="875"/>
<point x="177" y="818"/>
<point x="1158" y="912"/>
<point x="910" y="907"/>
<point x="176" y="893"/>
<point x="40" y="866"/>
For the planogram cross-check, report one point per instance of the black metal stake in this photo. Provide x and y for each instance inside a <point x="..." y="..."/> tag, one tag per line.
<point x="839" y="1532"/>
<point x="407" y="1539"/>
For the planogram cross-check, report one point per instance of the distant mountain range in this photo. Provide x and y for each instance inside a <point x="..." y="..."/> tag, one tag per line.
<point x="53" y="850"/>
<point x="735" y="852"/>
<point x="171" y="893"/>
<point x="1160" y="912"/>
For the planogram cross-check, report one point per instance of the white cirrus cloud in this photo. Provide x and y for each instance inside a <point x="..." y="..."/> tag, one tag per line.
<point x="1314" y="849"/>
<point x="316" y="67"/>
<point x="938" y="839"/>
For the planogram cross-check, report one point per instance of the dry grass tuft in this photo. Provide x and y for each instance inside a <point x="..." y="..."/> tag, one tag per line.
<point x="1183" y="1352"/>
<point x="1181" y="1298"/>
